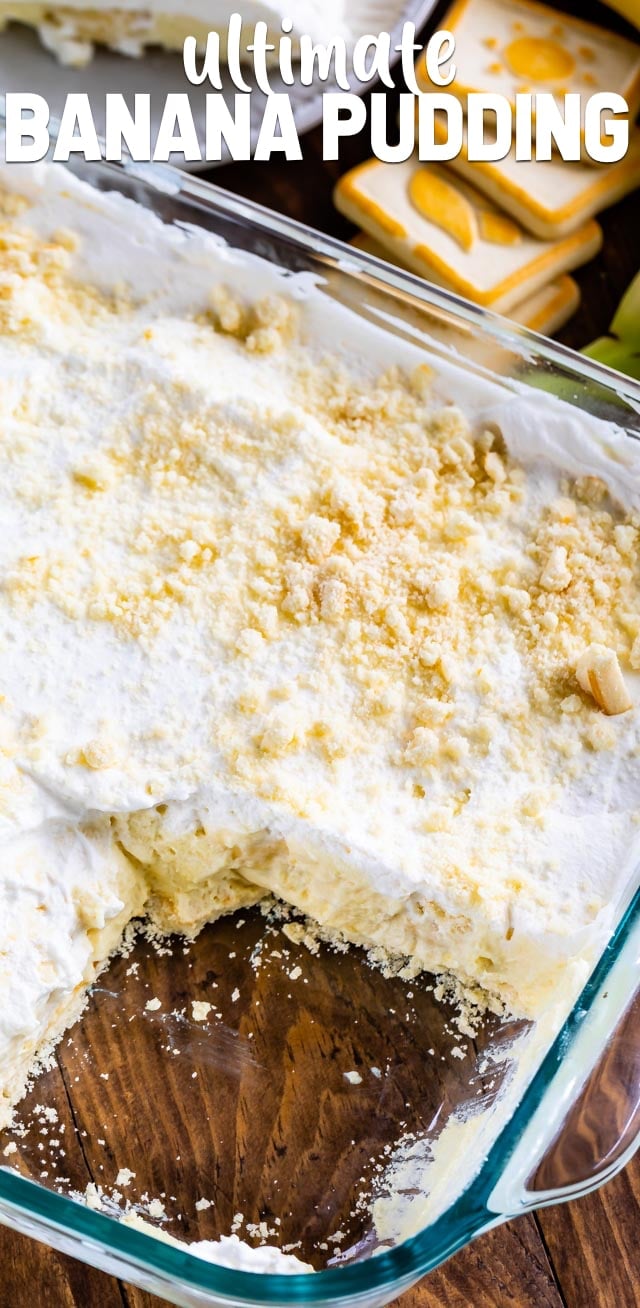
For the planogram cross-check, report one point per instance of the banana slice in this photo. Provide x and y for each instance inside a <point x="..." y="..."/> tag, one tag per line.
<point x="600" y="675"/>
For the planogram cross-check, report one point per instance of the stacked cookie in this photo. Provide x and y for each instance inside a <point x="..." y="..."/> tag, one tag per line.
<point x="504" y="234"/>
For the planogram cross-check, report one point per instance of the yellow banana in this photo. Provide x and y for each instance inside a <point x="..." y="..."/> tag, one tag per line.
<point x="621" y="348"/>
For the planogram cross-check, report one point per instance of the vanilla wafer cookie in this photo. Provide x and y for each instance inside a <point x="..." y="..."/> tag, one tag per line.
<point x="512" y="46"/>
<point x="444" y="229"/>
<point x="546" y="311"/>
<point x="552" y="198"/>
<point x="549" y="308"/>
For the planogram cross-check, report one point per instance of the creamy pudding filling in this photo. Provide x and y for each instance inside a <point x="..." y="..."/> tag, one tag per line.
<point x="273" y="623"/>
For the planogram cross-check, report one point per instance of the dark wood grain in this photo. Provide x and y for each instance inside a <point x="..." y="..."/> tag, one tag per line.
<point x="254" y="1112"/>
<point x="593" y="1244"/>
<point x="254" y="1109"/>
<point x="31" y="1273"/>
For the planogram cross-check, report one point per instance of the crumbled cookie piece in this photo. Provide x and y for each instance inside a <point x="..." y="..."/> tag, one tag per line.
<point x="599" y="674"/>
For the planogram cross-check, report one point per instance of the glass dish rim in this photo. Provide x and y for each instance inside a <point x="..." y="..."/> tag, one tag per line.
<point x="469" y="1215"/>
<point x="349" y="259"/>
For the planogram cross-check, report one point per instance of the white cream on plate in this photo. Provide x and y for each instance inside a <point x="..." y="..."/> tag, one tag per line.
<point x="72" y="30"/>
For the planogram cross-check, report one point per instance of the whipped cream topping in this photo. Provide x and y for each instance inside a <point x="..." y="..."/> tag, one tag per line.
<point x="50" y="875"/>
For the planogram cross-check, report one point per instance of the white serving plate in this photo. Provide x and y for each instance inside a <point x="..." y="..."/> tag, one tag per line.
<point x="25" y="65"/>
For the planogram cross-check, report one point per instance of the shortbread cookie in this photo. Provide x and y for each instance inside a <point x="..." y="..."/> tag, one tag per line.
<point x="552" y="198"/>
<point x="550" y="308"/>
<point x="447" y="231"/>
<point x="545" y="312"/>
<point x="512" y="46"/>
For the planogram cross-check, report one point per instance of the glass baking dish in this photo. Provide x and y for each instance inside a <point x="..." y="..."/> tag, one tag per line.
<point x="518" y="1117"/>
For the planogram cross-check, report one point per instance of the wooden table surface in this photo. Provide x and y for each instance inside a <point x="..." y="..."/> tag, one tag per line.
<point x="584" y="1254"/>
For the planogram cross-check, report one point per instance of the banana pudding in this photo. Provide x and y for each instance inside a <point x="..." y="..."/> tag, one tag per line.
<point x="288" y="609"/>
